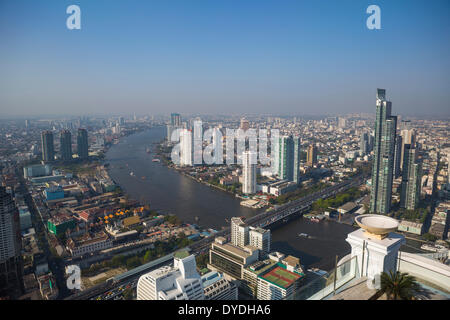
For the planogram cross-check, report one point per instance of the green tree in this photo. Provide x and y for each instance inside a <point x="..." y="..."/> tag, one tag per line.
<point x="398" y="285"/>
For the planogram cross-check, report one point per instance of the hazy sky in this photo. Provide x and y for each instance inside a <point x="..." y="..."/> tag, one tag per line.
<point x="298" y="57"/>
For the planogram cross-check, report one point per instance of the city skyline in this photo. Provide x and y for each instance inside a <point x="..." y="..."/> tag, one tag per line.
<point x="249" y="151"/>
<point x="223" y="58"/>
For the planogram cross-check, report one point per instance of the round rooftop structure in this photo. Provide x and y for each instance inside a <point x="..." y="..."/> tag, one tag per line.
<point x="377" y="225"/>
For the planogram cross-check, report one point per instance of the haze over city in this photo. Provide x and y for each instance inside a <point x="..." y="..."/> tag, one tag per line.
<point x="289" y="57"/>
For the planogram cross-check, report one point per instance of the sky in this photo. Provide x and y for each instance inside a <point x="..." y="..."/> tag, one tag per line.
<point x="223" y="56"/>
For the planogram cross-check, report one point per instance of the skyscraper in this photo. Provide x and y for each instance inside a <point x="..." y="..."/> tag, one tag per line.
<point x="249" y="172"/>
<point x="48" y="150"/>
<point x="260" y="238"/>
<point x="175" y="119"/>
<point x="10" y="246"/>
<point x="364" y="143"/>
<point x="398" y="156"/>
<point x="411" y="179"/>
<point x="408" y="137"/>
<point x="289" y="158"/>
<point x="66" y="145"/>
<point x="311" y="156"/>
<point x="175" y="123"/>
<point x="297" y="156"/>
<point x="239" y="232"/>
<point x="186" y="147"/>
<point x="383" y="161"/>
<point x="82" y="144"/>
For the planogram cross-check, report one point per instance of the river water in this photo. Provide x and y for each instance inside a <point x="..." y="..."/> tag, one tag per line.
<point x="168" y="191"/>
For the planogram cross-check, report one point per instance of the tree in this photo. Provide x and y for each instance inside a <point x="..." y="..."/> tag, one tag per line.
<point x="398" y="285"/>
<point x="148" y="256"/>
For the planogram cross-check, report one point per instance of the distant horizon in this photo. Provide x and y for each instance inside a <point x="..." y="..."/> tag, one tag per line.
<point x="287" y="57"/>
<point x="167" y="115"/>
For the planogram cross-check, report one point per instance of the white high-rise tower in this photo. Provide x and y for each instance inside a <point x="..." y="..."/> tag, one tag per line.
<point x="249" y="171"/>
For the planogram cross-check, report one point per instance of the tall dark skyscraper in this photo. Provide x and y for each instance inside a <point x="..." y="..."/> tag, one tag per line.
<point x="66" y="145"/>
<point x="82" y="144"/>
<point x="383" y="161"/>
<point x="48" y="150"/>
<point x="398" y="156"/>
<point x="10" y="246"/>
<point x="364" y="143"/>
<point x="411" y="179"/>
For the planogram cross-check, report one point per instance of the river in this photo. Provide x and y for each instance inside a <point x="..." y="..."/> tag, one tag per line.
<point x="168" y="191"/>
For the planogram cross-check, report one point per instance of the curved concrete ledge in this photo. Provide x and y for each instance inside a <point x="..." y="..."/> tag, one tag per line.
<point x="426" y="269"/>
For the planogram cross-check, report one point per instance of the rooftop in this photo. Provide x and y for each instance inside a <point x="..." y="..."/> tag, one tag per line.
<point x="181" y="254"/>
<point x="281" y="277"/>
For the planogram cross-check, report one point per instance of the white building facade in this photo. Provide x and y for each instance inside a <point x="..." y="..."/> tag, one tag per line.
<point x="180" y="282"/>
<point x="249" y="172"/>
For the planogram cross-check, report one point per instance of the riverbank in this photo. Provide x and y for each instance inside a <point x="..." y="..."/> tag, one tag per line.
<point x="169" y="191"/>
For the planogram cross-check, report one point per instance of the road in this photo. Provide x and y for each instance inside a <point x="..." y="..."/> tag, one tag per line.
<point x="56" y="266"/>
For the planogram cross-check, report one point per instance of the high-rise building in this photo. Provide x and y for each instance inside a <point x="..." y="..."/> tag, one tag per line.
<point x="249" y="172"/>
<point x="288" y="158"/>
<point x="239" y="232"/>
<point x="342" y="123"/>
<point x="364" y="143"/>
<point x="397" y="156"/>
<point x="297" y="157"/>
<point x="66" y="145"/>
<point x="82" y="144"/>
<point x="175" y="123"/>
<point x="48" y="150"/>
<point x="383" y="161"/>
<point x="10" y="246"/>
<point x="260" y="238"/>
<point x="186" y="147"/>
<point x="371" y="142"/>
<point x="408" y="137"/>
<point x="180" y="282"/>
<point x="311" y="155"/>
<point x="175" y="119"/>
<point x="411" y="179"/>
